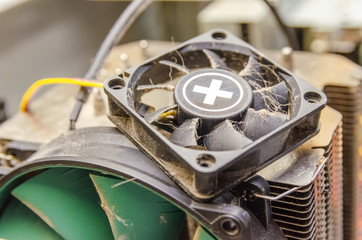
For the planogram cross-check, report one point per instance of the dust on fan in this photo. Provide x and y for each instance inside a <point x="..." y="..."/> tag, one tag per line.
<point x="262" y="110"/>
<point x="213" y="111"/>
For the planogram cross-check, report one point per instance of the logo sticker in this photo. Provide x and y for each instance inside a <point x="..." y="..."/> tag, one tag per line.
<point x="213" y="92"/>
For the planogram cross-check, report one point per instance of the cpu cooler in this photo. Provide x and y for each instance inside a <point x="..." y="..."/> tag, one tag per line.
<point x="220" y="111"/>
<point x="262" y="168"/>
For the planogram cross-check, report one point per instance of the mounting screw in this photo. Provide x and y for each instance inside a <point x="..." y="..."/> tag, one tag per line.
<point x="312" y="97"/>
<point x="205" y="160"/>
<point x="229" y="226"/>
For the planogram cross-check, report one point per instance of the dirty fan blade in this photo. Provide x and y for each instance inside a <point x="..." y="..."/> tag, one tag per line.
<point x="253" y="74"/>
<point x="175" y="65"/>
<point x="259" y="123"/>
<point x="139" y="207"/>
<point x="225" y="137"/>
<point x="157" y="86"/>
<point x="215" y="60"/>
<point x="186" y="134"/>
<point x="154" y="116"/>
<point x="144" y="109"/>
<point x="65" y="198"/>
<point x="273" y="98"/>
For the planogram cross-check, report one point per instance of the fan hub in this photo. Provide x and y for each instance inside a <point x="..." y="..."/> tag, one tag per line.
<point x="212" y="95"/>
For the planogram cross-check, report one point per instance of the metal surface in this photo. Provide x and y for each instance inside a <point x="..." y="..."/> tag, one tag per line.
<point x="348" y="101"/>
<point x="314" y="210"/>
<point x="340" y="79"/>
<point x="280" y="196"/>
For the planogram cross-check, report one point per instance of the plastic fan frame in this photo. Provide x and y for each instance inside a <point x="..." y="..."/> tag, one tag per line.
<point x="206" y="174"/>
<point x="113" y="157"/>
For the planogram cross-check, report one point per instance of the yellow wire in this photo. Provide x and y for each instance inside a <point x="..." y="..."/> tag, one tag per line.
<point x="172" y="112"/>
<point x="47" y="81"/>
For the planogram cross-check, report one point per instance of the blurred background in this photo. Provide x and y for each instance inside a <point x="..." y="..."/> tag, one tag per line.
<point x="50" y="38"/>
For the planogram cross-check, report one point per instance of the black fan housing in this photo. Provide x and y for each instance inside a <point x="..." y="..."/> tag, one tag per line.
<point x="213" y="111"/>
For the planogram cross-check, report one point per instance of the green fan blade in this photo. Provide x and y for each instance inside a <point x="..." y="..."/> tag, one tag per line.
<point x="18" y="222"/>
<point x="137" y="213"/>
<point x="201" y="234"/>
<point x="67" y="200"/>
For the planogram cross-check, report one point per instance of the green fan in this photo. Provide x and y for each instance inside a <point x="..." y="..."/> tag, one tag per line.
<point x="93" y="183"/>
<point x="70" y="203"/>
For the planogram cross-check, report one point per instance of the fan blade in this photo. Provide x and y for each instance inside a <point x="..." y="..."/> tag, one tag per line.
<point x="137" y="213"/>
<point x="175" y="65"/>
<point x="19" y="222"/>
<point x="157" y="86"/>
<point x="144" y="109"/>
<point x="252" y="64"/>
<point x="224" y="137"/>
<point x="67" y="200"/>
<point x="154" y="116"/>
<point x="259" y="123"/>
<point x="186" y="134"/>
<point x="273" y="98"/>
<point x="215" y="60"/>
<point x="202" y="234"/>
<point x="253" y="74"/>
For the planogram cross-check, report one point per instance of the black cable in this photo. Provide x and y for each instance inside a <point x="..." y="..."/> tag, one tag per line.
<point x="117" y="32"/>
<point x="289" y="32"/>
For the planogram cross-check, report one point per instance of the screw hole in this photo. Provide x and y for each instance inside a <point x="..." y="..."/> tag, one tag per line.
<point x="116" y="84"/>
<point x="205" y="160"/>
<point x="312" y="97"/>
<point x="230" y="227"/>
<point x="219" y="35"/>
